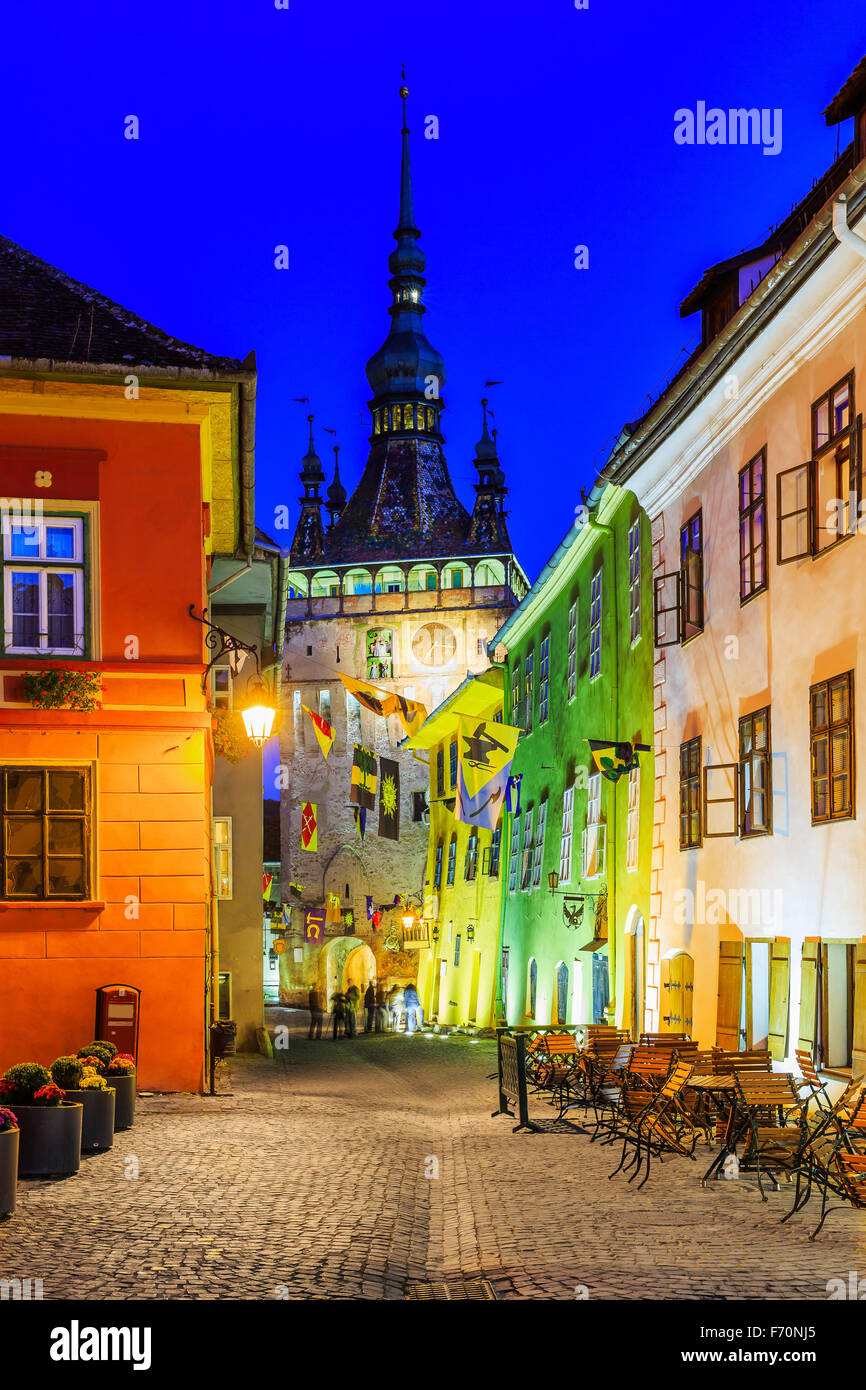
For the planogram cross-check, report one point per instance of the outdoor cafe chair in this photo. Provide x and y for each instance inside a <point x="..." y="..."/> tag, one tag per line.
<point x="835" y="1156"/>
<point x="773" y="1123"/>
<point x="663" y="1125"/>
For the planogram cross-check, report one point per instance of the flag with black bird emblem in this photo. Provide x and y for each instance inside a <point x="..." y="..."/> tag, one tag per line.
<point x="386" y="702"/>
<point x="612" y="759"/>
<point x="486" y="750"/>
<point x="389" y="799"/>
<point x="362" y="790"/>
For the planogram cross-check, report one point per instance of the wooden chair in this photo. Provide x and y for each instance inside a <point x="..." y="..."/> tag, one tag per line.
<point x="553" y="1062"/>
<point x="811" y="1082"/>
<point x="835" y="1155"/>
<point x="756" y="1059"/>
<point x="608" y="1094"/>
<point x="647" y="1039"/>
<point x="662" y="1125"/>
<point x="773" y="1144"/>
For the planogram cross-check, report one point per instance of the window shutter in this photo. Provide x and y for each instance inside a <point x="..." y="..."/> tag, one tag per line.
<point x="855" y="466"/>
<point x="780" y="972"/>
<point x="809" y="998"/>
<point x="858" y="1045"/>
<point x="721" y="821"/>
<point x="667" y="609"/>
<point x="795" y="492"/>
<point x="730" y="998"/>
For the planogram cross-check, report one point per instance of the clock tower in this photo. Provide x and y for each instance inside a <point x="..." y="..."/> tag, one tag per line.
<point x="404" y="588"/>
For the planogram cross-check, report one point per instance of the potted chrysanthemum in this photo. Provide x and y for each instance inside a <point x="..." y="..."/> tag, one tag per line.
<point x="82" y="1079"/>
<point x="120" y="1073"/>
<point x="8" y="1160"/>
<point x="49" y="1125"/>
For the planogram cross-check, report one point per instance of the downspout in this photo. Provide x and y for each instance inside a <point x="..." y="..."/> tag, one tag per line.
<point x="844" y="234"/>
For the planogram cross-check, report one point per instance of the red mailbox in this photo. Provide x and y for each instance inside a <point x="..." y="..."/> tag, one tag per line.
<point x="117" y="1013"/>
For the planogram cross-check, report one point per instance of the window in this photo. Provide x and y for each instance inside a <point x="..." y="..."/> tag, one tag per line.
<point x="526" y="852"/>
<point x="437" y="871"/>
<point x="452" y="859"/>
<point x="452" y="754"/>
<point x="565" y="842"/>
<point x="457" y="949"/>
<point x="325" y="705"/>
<point x="632" y="834"/>
<point x="221" y="687"/>
<point x="515" y="692"/>
<point x="755" y="776"/>
<point x="690" y="793"/>
<point x="493" y="852"/>
<point x="419" y="806"/>
<point x="538" y="849"/>
<point x="595" y="625"/>
<point x="528" y="695"/>
<point x="818" y="501"/>
<point x="753" y="541"/>
<point x="634" y="581"/>
<point x="45" y="841"/>
<point x="594" y="834"/>
<point x="543" y="679"/>
<point x="831" y="728"/>
<point x="222" y="856"/>
<point x="572" y="651"/>
<point x="531" y="987"/>
<point x="513" y="854"/>
<point x="380" y="654"/>
<point x="692" y="576"/>
<point x="440" y="772"/>
<point x="43" y="574"/>
<point x="471" y="864"/>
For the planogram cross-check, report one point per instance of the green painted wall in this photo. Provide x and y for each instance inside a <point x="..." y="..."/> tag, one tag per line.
<point x="618" y="704"/>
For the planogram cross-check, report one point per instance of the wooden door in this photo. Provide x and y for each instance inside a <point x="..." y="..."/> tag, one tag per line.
<point x="780" y="973"/>
<point x="858" y="1042"/>
<point x="473" y="986"/>
<point x="730" y="997"/>
<point x="808" y="1036"/>
<point x="678" y="981"/>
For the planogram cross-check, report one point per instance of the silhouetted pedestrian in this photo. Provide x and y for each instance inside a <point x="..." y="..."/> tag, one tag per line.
<point x="315" y="1002"/>
<point x="369" y="1007"/>
<point x="353" y="998"/>
<point x="338" y="1014"/>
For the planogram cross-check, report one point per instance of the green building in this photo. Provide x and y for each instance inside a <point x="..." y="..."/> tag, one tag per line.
<point x="578" y="665"/>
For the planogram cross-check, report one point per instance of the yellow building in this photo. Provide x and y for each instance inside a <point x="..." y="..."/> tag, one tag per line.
<point x="458" y="937"/>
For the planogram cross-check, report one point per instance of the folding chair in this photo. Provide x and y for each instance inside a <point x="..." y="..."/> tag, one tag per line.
<point x="662" y="1125"/>
<point x="773" y="1144"/>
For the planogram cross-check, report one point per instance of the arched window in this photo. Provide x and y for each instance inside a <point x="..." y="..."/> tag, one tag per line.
<point x="561" y="993"/>
<point x="531" y="986"/>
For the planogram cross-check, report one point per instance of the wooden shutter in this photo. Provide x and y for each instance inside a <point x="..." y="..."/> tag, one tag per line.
<point x="809" y="999"/>
<point x="780" y="973"/>
<point x="855" y="480"/>
<point x="795" y="492"/>
<point x="858" y="1044"/>
<point x="720" y="809"/>
<point x="730" y="997"/>
<point x="677" y="1010"/>
<point x="667" y="606"/>
<point x="688" y="976"/>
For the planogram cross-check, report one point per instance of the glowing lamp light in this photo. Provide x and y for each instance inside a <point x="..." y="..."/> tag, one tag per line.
<point x="258" y="716"/>
<point x="553" y="881"/>
<point x="409" y="920"/>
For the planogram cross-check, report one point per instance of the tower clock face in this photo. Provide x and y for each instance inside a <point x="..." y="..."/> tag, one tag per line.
<point x="434" y="644"/>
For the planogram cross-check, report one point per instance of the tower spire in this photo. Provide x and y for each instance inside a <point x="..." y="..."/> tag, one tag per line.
<point x="407" y="209"/>
<point x="309" y="540"/>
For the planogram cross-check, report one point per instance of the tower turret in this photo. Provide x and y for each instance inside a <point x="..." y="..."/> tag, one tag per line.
<point x="309" y="540"/>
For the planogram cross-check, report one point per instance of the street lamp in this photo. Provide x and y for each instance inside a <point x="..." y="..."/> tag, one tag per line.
<point x="258" y="716"/>
<point x="553" y="880"/>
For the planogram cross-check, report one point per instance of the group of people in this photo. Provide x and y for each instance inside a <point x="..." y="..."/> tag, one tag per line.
<point x="384" y="1010"/>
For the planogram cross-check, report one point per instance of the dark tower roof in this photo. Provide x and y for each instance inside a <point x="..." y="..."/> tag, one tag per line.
<point x="487" y="527"/>
<point x="309" y="539"/>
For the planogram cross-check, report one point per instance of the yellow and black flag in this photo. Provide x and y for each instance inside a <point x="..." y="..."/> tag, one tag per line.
<point x="362" y="791"/>
<point x="389" y="799"/>
<point x="613" y="760"/>
<point x="486" y="749"/>
<point x="386" y="702"/>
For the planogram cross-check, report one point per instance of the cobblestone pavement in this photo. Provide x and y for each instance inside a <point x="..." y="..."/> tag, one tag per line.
<point x="310" y="1180"/>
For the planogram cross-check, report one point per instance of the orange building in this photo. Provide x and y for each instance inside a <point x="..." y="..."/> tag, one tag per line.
<point x="126" y="460"/>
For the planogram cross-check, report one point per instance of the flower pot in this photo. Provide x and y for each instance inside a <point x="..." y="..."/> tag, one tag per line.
<point x="8" y="1170"/>
<point x="124" y="1105"/>
<point x="97" y="1126"/>
<point x="49" y="1139"/>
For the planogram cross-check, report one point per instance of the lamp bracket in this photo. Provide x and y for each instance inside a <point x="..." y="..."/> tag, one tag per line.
<point x="219" y="642"/>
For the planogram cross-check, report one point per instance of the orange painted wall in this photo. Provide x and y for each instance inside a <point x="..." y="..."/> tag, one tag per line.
<point x="149" y="749"/>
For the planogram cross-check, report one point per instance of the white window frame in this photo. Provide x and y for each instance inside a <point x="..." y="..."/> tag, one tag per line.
<point x="632" y="840"/>
<point x="43" y="565"/>
<point x="538" y="847"/>
<point x="634" y="604"/>
<point x="222" y="846"/>
<point x="572" y="651"/>
<point x="215" y="695"/>
<point x="528" y="690"/>
<point x="567" y="835"/>
<point x="595" y="625"/>
<point x="526" y="851"/>
<point x="544" y="679"/>
<point x="594" y="835"/>
<point x="514" y="855"/>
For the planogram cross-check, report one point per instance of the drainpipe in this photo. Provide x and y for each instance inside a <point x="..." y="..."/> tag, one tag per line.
<point x="596" y="525"/>
<point x="845" y="234"/>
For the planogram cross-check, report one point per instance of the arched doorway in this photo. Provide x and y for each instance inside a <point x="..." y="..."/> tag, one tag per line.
<point x="342" y="962"/>
<point x="560" y="993"/>
<point x="635" y="991"/>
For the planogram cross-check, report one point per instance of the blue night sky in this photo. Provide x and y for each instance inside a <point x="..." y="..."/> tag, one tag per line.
<point x="262" y="126"/>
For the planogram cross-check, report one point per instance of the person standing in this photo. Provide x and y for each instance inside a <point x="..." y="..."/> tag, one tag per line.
<point x="369" y="1007"/>
<point x="315" y="1002"/>
<point x="381" y="1008"/>
<point x="338" y="1014"/>
<point x="412" y="1005"/>
<point x="353" y="998"/>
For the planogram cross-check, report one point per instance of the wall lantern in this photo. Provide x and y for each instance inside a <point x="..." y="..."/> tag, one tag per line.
<point x="258" y="716"/>
<point x="470" y="929"/>
<point x="553" y="880"/>
<point x="435" y="933"/>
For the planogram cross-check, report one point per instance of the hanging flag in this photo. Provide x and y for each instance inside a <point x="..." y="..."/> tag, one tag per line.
<point x="512" y="793"/>
<point x="296" y="889"/>
<point x="360" y="820"/>
<point x="267" y="880"/>
<point x="314" y="924"/>
<point x="310" y="826"/>
<point x="385" y="702"/>
<point x="486" y="748"/>
<point x="286" y="917"/>
<point x="323" y="731"/>
<point x="332" y="913"/>
<point x="482" y="810"/>
<point x="389" y="799"/>
<point x="613" y="760"/>
<point x="376" y="919"/>
<point x="369" y="908"/>
<point x="362" y="791"/>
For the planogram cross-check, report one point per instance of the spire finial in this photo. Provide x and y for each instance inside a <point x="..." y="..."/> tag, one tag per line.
<point x="311" y="418"/>
<point x="407" y="211"/>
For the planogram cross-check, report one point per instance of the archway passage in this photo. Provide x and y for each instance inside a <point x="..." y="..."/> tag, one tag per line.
<point x="342" y="962"/>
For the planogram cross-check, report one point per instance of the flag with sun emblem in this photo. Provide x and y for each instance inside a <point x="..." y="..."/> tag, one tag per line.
<point x="310" y="826"/>
<point x="389" y="799"/>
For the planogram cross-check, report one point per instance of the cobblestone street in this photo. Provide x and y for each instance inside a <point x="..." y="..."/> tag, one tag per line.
<point x="310" y="1180"/>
